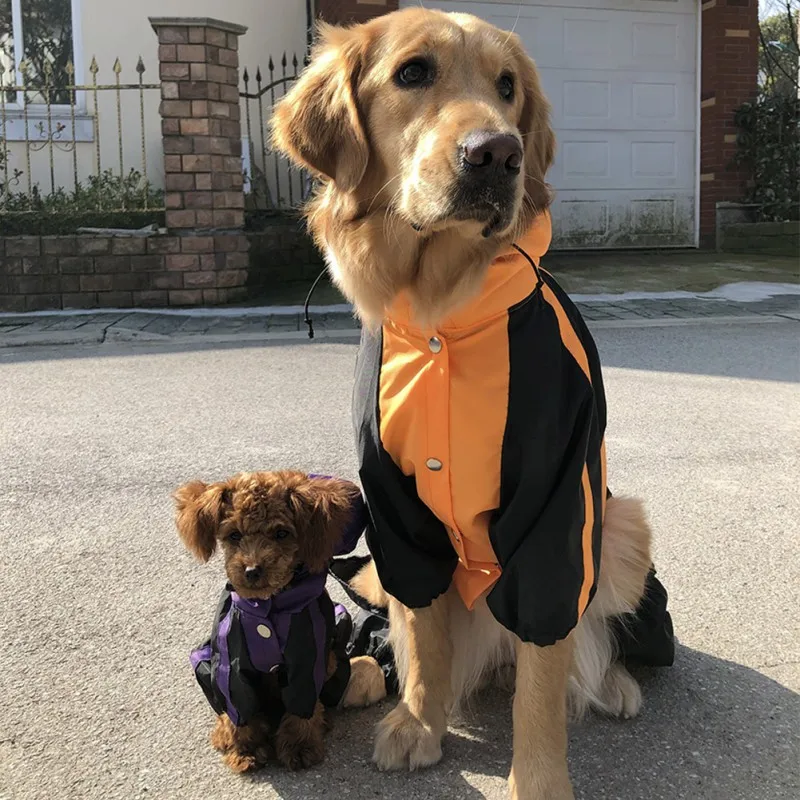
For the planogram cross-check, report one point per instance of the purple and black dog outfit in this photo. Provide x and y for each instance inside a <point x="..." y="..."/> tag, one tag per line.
<point x="282" y="642"/>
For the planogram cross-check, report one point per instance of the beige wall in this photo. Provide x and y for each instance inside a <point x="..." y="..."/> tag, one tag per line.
<point x="120" y="29"/>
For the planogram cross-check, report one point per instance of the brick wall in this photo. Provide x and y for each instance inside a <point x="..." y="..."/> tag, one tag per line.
<point x="729" y="73"/>
<point x="771" y="238"/>
<point x="280" y="253"/>
<point x="53" y="272"/>
<point x="202" y="141"/>
<point x="203" y="259"/>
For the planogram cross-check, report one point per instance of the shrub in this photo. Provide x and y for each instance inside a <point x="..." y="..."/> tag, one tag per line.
<point x="106" y="200"/>
<point x="769" y="145"/>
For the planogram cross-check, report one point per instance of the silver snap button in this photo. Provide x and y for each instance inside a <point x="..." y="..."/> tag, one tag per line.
<point x="263" y="631"/>
<point x="433" y="464"/>
<point x="435" y="344"/>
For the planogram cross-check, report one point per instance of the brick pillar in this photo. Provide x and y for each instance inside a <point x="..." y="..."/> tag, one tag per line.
<point x="202" y="140"/>
<point x="729" y="77"/>
<point x="342" y="12"/>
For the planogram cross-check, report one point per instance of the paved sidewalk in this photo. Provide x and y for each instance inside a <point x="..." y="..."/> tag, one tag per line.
<point x="234" y="324"/>
<point x="100" y="604"/>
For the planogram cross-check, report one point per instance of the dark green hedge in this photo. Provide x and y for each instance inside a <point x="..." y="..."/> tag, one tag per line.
<point x="769" y="145"/>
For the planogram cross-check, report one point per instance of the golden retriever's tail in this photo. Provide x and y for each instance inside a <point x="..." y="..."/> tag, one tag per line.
<point x="367" y="583"/>
<point x="598" y="680"/>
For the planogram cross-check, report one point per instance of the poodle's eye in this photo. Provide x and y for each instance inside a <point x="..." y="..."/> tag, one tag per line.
<point x="281" y="534"/>
<point x="505" y="87"/>
<point x="418" y="72"/>
<point x="234" y="537"/>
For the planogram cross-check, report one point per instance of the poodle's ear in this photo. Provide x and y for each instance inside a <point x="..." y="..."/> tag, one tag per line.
<point x="318" y="123"/>
<point x="199" y="510"/>
<point x="323" y="509"/>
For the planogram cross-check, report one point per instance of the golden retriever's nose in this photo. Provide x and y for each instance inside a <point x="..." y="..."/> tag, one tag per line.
<point x="500" y="153"/>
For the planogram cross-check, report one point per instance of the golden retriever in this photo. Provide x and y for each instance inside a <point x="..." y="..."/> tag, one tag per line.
<point x="390" y="116"/>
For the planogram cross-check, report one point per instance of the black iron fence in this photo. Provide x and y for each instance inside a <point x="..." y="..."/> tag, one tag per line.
<point x="67" y="146"/>
<point x="271" y="182"/>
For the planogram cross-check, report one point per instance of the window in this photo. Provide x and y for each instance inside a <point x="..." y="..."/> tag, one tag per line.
<point x="40" y="34"/>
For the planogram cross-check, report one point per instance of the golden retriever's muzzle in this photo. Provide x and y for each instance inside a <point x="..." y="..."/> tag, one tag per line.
<point x="489" y="168"/>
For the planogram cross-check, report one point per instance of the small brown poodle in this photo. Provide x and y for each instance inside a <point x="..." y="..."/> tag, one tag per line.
<point x="276" y="656"/>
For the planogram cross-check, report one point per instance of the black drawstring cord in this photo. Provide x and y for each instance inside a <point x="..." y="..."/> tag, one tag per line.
<point x="307" y="318"/>
<point x="531" y="262"/>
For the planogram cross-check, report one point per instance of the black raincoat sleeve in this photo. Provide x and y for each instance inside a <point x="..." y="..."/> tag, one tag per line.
<point x="546" y="531"/>
<point x="411" y="548"/>
<point x="224" y="670"/>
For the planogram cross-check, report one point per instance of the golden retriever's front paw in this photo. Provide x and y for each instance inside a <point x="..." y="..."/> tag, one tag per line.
<point x="529" y="784"/>
<point x="367" y="683"/>
<point x="403" y="741"/>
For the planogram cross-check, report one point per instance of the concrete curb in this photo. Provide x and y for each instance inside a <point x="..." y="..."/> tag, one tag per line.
<point x="124" y="335"/>
<point x="96" y="335"/>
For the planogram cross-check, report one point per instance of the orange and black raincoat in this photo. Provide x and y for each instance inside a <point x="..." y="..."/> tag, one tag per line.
<point x="481" y="448"/>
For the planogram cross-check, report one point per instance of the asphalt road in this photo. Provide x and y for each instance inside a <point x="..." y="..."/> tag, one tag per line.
<point x="100" y="606"/>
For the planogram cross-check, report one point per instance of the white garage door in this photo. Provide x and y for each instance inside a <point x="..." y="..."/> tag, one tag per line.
<point x="622" y="78"/>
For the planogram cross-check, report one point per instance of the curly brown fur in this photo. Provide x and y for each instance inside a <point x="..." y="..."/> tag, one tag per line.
<point x="245" y="748"/>
<point x="273" y="522"/>
<point x="299" y="742"/>
<point x="388" y="157"/>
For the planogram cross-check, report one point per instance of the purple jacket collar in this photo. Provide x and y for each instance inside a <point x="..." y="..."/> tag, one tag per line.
<point x="294" y="598"/>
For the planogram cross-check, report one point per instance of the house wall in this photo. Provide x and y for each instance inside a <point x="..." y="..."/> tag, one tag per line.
<point x="729" y="75"/>
<point x="339" y="12"/>
<point x="121" y="30"/>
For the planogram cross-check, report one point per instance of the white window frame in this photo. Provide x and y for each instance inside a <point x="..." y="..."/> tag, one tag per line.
<point x="36" y="112"/>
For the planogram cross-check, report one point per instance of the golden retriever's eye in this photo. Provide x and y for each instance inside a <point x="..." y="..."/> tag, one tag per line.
<point x="505" y="86"/>
<point x="235" y="537"/>
<point x="281" y="534"/>
<point x="418" y="72"/>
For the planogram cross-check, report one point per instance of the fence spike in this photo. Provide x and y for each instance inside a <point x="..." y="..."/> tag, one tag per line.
<point x="294" y="62"/>
<point x="117" y="67"/>
<point x="48" y="73"/>
<point x="271" y="65"/>
<point x="245" y="77"/>
<point x="93" y="68"/>
<point x="258" y="74"/>
<point x="23" y="68"/>
<point x="140" y="67"/>
<point x="70" y="69"/>
<point x="283" y="60"/>
<point x="2" y="70"/>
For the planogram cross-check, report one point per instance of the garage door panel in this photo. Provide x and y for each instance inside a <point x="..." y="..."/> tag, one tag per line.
<point x="469" y="6"/>
<point x="622" y="219"/>
<point x="621" y="78"/>
<point x="619" y="160"/>
<point x="620" y="101"/>
<point x="585" y="39"/>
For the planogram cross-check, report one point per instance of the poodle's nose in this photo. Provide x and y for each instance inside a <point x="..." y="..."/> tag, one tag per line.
<point x="252" y="574"/>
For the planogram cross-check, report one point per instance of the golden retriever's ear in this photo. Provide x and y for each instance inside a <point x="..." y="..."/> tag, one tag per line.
<point x="318" y="123"/>
<point x="322" y="509"/>
<point x="199" y="512"/>
<point x="539" y="140"/>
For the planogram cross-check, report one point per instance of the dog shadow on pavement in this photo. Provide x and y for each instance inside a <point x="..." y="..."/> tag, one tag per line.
<point x="709" y="730"/>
